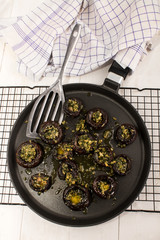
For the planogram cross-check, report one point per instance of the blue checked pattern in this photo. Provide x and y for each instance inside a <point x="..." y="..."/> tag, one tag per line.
<point x="116" y="29"/>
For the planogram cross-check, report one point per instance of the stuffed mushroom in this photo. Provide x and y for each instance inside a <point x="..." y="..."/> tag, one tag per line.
<point x="84" y="143"/>
<point x="122" y="164"/>
<point x="29" y="154"/>
<point x="103" y="155"/>
<point x="67" y="167"/>
<point x="73" y="106"/>
<point x="125" y="134"/>
<point x="40" y="182"/>
<point x="104" y="186"/>
<point x="77" y="197"/>
<point x="51" y="132"/>
<point x="97" y="118"/>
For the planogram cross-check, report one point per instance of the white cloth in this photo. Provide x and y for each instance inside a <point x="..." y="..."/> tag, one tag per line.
<point x="115" y="29"/>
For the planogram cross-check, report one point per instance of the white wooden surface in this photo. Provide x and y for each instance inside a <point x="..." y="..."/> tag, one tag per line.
<point x="19" y="222"/>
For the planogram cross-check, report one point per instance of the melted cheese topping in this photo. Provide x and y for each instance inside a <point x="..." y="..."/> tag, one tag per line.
<point x="74" y="196"/>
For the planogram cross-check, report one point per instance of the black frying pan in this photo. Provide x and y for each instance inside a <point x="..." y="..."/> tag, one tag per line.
<point x="50" y="204"/>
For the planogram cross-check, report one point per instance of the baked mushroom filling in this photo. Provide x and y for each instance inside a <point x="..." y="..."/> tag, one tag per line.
<point x="103" y="186"/>
<point x="85" y="142"/>
<point x="68" y="171"/>
<point x="65" y="168"/>
<point x="51" y="132"/>
<point x="40" y="182"/>
<point x="70" y="177"/>
<point x="104" y="155"/>
<point x="97" y="117"/>
<point x="126" y="133"/>
<point x="64" y="151"/>
<point x="28" y="153"/>
<point x="121" y="164"/>
<point x="75" y="196"/>
<point x="73" y="105"/>
<point x="81" y="127"/>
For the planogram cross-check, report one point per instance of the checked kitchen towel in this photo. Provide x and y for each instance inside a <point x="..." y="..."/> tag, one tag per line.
<point x="116" y="29"/>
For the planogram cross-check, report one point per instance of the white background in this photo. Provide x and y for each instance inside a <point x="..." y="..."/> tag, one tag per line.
<point x="21" y="223"/>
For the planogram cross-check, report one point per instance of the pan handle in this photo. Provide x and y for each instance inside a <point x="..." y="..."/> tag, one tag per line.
<point x="116" y="74"/>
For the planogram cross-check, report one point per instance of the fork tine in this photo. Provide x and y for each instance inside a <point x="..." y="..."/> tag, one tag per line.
<point x="61" y="116"/>
<point x="56" y="108"/>
<point x="50" y="106"/>
<point x="41" y="112"/>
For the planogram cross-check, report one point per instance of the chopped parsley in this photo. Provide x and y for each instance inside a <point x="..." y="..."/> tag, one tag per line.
<point x="70" y="178"/>
<point x="86" y="143"/>
<point x="28" y="153"/>
<point x="97" y="116"/>
<point x="73" y="105"/>
<point x="40" y="182"/>
<point x="64" y="150"/>
<point x="103" y="186"/>
<point x="107" y="134"/>
<point x="126" y="132"/>
<point x="104" y="155"/>
<point x="81" y="127"/>
<point x="65" y="168"/>
<point x="121" y="164"/>
<point x="75" y="197"/>
<point x="51" y="132"/>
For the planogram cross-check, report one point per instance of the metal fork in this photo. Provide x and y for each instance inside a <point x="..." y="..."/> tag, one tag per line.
<point x="54" y="95"/>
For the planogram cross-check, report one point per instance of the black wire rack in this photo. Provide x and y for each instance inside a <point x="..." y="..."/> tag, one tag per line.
<point x="147" y="102"/>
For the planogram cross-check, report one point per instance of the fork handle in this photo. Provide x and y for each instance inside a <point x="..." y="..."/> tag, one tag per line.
<point x="71" y="45"/>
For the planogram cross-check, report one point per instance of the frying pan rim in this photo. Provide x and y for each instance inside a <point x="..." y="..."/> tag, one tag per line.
<point x="137" y="192"/>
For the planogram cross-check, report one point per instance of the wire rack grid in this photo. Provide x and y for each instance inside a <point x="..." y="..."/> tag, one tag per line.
<point x="147" y="102"/>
